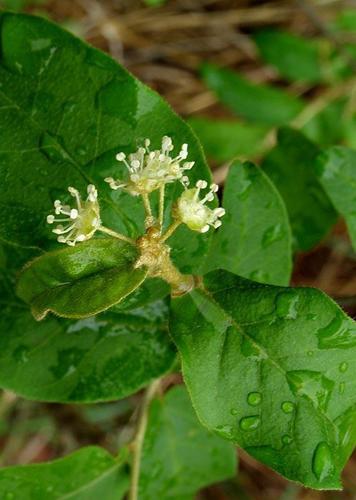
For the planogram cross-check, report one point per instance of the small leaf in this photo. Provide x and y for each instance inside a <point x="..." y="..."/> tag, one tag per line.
<point x="179" y="456"/>
<point x="86" y="474"/>
<point x="337" y="173"/>
<point x="271" y="369"/>
<point x="80" y="281"/>
<point x="258" y="103"/>
<point x="224" y="140"/>
<point x="296" y="58"/>
<point x="254" y="240"/>
<point x="321" y="128"/>
<point x="291" y="167"/>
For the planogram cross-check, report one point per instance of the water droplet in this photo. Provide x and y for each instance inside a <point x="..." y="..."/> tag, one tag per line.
<point x="259" y="276"/>
<point x="272" y="234"/>
<point x="310" y="353"/>
<point x="323" y="465"/>
<point x="287" y="439"/>
<point x="234" y="411"/>
<point x="343" y="367"/>
<point x="312" y="384"/>
<point x="20" y="354"/>
<point x="339" y="333"/>
<point x="250" y="423"/>
<point x="341" y="387"/>
<point x="225" y="431"/>
<point x="254" y="398"/>
<point x="52" y="147"/>
<point x="288" y="407"/>
<point x="286" y="305"/>
<point x="40" y="44"/>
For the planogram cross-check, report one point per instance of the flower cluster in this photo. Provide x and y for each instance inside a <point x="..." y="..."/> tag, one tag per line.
<point x="151" y="170"/>
<point x="76" y="224"/>
<point x="193" y="211"/>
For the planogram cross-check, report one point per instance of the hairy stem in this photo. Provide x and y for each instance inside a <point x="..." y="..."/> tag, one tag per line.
<point x="147" y="205"/>
<point x="170" y="230"/>
<point x="140" y="436"/>
<point x="161" y="207"/>
<point x="114" y="234"/>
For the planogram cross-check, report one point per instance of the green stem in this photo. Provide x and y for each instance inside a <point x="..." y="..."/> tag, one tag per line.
<point x="140" y="436"/>
<point x="161" y="207"/>
<point x="147" y="205"/>
<point x="170" y="230"/>
<point x="114" y="234"/>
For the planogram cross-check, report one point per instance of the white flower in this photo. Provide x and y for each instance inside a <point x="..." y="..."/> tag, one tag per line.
<point x="194" y="212"/>
<point x="151" y="170"/>
<point x="78" y="224"/>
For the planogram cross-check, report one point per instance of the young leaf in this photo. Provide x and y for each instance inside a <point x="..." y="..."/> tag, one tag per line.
<point x="86" y="474"/>
<point x="80" y="281"/>
<point x="66" y="110"/>
<point x="258" y="103"/>
<point x="271" y="369"/>
<point x="291" y="167"/>
<point x="254" y="240"/>
<point x="295" y="58"/>
<point x="179" y="456"/>
<point x="224" y="140"/>
<point x="336" y="168"/>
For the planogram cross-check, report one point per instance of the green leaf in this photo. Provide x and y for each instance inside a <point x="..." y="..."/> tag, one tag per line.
<point x="224" y="140"/>
<point x="102" y="358"/>
<point x="291" y="167"/>
<point x="87" y="474"/>
<point x="80" y="281"/>
<point x="258" y="103"/>
<point x="337" y="173"/>
<point x="179" y="456"/>
<point x="295" y="58"/>
<point x="321" y="128"/>
<point x="254" y="240"/>
<point x="66" y="110"/>
<point x="271" y="369"/>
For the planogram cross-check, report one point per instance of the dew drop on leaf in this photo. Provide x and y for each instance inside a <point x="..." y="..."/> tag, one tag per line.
<point x="323" y="465"/>
<point x="250" y="423"/>
<point x="254" y="398"/>
<point x="287" y="439"/>
<point x="286" y="305"/>
<point x="234" y="411"/>
<point x="288" y="407"/>
<point x="343" y="367"/>
<point x="272" y="234"/>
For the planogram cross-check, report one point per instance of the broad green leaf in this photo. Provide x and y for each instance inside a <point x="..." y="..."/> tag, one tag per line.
<point x="254" y="240"/>
<point x="296" y="58"/>
<point x="273" y="370"/>
<point x="336" y="168"/>
<point x="66" y="110"/>
<point x="87" y="474"/>
<point x="80" y="281"/>
<point x="179" y="456"/>
<point x="291" y="167"/>
<point x="224" y="140"/>
<point x="102" y="358"/>
<point x="256" y="102"/>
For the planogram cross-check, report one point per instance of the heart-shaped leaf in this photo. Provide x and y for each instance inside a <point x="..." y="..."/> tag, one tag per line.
<point x="80" y="281"/>
<point x="66" y="110"/>
<point x="86" y="474"/>
<point x="337" y="173"/>
<point x="254" y="240"/>
<point x="273" y="370"/>
<point x="193" y="457"/>
<point x="291" y="167"/>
